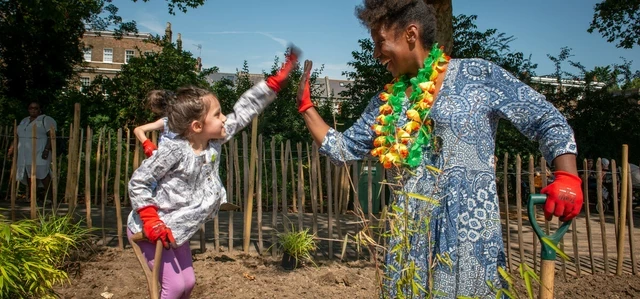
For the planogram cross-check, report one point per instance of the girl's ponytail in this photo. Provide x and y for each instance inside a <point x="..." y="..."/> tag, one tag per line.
<point x="160" y="101"/>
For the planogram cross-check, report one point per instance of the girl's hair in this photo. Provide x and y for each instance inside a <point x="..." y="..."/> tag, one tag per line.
<point x="400" y="13"/>
<point x="156" y="100"/>
<point x="181" y="107"/>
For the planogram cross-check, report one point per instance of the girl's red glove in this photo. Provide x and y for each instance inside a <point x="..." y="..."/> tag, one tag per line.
<point x="154" y="229"/>
<point x="148" y="147"/>
<point x="564" y="196"/>
<point x="279" y="80"/>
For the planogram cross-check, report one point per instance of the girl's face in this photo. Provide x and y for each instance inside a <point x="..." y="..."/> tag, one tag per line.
<point x="393" y="49"/>
<point x="213" y="125"/>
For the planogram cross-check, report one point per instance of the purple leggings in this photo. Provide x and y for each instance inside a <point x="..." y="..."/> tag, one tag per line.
<point x="177" y="276"/>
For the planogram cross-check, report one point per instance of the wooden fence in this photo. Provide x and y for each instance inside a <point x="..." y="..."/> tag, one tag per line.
<point x="294" y="182"/>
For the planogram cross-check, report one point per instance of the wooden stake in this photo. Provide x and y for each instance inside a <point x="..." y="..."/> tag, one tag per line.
<point x="603" y="230"/>
<point x="274" y="196"/>
<point x="54" y="167"/>
<point x="585" y="192"/>
<point x="126" y="167"/>
<point x="33" y="186"/>
<point x="116" y="189"/>
<point x="519" y="206"/>
<point x="13" y="176"/>
<point x="259" y="193"/>
<point x="300" y="186"/>
<point x="87" y="177"/>
<point x="327" y="169"/>
<point x="505" y="184"/>
<point x="632" y="250"/>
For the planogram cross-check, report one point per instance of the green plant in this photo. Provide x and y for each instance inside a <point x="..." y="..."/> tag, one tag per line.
<point x="299" y="244"/>
<point x="33" y="253"/>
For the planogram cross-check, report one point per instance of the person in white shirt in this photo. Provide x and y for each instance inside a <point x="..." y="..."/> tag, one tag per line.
<point x="43" y="124"/>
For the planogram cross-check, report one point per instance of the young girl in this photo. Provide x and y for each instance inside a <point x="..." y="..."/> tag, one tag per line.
<point x="185" y="170"/>
<point x="158" y="106"/>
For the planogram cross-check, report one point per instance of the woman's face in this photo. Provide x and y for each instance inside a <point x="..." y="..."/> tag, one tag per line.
<point x="393" y="50"/>
<point x="34" y="110"/>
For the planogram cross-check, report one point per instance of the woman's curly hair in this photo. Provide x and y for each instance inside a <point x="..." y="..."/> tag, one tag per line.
<point x="399" y="14"/>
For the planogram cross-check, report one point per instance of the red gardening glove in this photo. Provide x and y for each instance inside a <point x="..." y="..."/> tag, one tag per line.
<point x="154" y="229"/>
<point x="148" y="147"/>
<point x="564" y="196"/>
<point x="304" y="90"/>
<point x="279" y="80"/>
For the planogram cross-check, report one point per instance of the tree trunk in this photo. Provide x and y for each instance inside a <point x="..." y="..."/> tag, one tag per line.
<point x="444" y="17"/>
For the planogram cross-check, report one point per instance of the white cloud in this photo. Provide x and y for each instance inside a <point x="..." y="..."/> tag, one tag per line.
<point x="151" y="23"/>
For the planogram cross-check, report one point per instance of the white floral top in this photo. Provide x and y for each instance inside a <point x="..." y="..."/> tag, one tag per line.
<point x="189" y="187"/>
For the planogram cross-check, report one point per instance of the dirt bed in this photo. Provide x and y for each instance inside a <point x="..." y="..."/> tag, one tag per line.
<point x="117" y="274"/>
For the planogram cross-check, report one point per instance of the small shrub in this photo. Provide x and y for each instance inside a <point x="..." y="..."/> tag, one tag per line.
<point x="32" y="253"/>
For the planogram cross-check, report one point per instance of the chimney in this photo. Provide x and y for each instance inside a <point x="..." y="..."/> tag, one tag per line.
<point x="199" y="65"/>
<point x="179" y="42"/>
<point x="167" y="33"/>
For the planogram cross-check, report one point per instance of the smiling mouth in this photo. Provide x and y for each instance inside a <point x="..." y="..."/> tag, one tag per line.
<point x="386" y="63"/>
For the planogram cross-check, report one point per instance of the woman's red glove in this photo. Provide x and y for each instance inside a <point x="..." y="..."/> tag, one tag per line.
<point x="564" y="196"/>
<point x="304" y="90"/>
<point x="154" y="229"/>
<point x="148" y="147"/>
<point x="279" y="80"/>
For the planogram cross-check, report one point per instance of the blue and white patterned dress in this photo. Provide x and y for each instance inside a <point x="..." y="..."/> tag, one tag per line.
<point x="466" y="224"/>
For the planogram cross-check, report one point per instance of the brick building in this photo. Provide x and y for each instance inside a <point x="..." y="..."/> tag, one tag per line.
<point x="105" y="55"/>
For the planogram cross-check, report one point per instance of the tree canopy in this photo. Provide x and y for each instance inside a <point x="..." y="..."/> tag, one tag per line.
<point x="618" y="21"/>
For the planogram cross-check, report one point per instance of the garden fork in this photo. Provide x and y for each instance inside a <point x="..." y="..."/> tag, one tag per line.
<point x="153" y="277"/>
<point x="547" y="253"/>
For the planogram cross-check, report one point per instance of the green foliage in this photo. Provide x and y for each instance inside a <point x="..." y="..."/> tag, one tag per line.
<point x="281" y="119"/>
<point x="618" y="21"/>
<point x="125" y="105"/>
<point x="491" y="45"/>
<point x="368" y="78"/>
<point x="40" y="46"/>
<point x="298" y="243"/>
<point x="32" y="253"/>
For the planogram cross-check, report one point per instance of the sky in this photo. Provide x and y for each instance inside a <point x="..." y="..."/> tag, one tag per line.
<point x="230" y="32"/>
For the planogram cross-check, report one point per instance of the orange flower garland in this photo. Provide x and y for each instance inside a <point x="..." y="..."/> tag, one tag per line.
<point x="403" y="146"/>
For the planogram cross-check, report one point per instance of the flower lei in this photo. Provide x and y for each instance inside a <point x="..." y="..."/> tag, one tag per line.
<point x="403" y="146"/>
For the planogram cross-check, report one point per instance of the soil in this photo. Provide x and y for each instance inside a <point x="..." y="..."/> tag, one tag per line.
<point x="110" y="273"/>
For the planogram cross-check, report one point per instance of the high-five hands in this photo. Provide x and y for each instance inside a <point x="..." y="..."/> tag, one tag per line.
<point x="304" y="89"/>
<point x="279" y="80"/>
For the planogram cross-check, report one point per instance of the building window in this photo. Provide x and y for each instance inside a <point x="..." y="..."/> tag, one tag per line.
<point x="84" y="83"/>
<point x="107" y="55"/>
<point x="87" y="54"/>
<point x="127" y="55"/>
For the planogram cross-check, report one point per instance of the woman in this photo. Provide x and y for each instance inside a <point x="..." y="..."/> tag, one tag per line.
<point x="43" y="125"/>
<point x="434" y="129"/>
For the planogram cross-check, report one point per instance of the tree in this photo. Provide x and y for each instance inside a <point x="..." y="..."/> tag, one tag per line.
<point x="618" y="21"/>
<point x="367" y="79"/>
<point x="40" y="45"/>
<point x="124" y="103"/>
<point x="281" y="119"/>
<point x="444" y="13"/>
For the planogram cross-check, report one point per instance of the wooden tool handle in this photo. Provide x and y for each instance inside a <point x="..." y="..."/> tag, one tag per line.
<point x="547" y="274"/>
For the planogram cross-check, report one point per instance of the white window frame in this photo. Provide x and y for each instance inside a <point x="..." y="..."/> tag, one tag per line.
<point x="127" y="56"/>
<point x="84" y="82"/>
<point x="104" y="55"/>
<point x="87" y="52"/>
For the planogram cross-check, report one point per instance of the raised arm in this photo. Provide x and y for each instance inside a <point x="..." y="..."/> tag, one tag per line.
<point x="316" y="125"/>
<point x="354" y="144"/>
<point x="253" y="101"/>
<point x="140" y="131"/>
